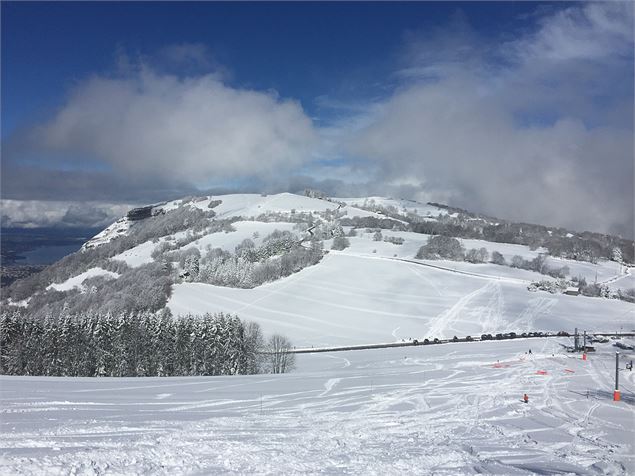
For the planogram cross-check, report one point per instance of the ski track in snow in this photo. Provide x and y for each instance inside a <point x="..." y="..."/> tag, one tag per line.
<point x="427" y="410"/>
<point x="278" y="289"/>
<point x="488" y="317"/>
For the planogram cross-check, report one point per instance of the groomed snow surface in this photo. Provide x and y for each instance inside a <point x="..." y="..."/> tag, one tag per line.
<point x="348" y="299"/>
<point x="448" y="410"/>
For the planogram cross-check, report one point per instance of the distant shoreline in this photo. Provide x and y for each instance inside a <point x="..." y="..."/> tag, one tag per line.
<point x="26" y="251"/>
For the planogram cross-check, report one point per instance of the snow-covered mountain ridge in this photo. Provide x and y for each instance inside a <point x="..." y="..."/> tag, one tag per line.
<point x="328" y="271"/>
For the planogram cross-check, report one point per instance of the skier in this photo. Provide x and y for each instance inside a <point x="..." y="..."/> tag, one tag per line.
<point x="530" y="351"/>
<point x="526" y="398"/>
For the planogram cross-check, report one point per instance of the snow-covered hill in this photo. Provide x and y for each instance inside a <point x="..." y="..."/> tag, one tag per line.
<point x="372" y="289"/>
<point x="327" y="273"/>
<point x="353" y="299"/>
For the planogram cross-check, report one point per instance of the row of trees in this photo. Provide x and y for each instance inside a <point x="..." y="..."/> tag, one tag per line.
<point x="137" y="345"/>
<point x="539" y="265"/>
<point x="446" y="247"/>
<point x="589" y="290"/>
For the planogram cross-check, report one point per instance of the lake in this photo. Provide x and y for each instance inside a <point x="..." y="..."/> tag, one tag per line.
<point x="48" y="254"/>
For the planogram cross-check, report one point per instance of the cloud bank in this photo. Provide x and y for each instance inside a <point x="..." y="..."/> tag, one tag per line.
<point x="36" y="213"/>
<point x="538" y="129"/>
<point x="533" y="127"/>
<point x="165" y="129"/>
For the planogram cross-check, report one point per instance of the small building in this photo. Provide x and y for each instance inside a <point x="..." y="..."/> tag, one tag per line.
<point x="572" y="291"/>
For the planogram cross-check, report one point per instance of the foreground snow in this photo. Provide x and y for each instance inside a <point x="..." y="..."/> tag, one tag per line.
<point x="448" y="409"/>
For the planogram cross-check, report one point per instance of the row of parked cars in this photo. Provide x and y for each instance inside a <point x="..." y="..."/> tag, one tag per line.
<point x="513" y="335"/>
<point x="500" y="336"/>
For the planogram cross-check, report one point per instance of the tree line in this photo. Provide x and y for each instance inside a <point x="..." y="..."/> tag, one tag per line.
<point x="137" y="345"/>
<point x="446" y="247"/>
<point x="580" y="246"/>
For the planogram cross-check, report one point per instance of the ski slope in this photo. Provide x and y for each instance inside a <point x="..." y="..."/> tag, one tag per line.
<point x="445" y="410"/>
<point x="352" y="299"/>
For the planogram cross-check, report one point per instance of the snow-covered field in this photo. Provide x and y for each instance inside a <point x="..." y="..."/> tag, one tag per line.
<point x="449" y="409"/>
<point x="350" y="299"/>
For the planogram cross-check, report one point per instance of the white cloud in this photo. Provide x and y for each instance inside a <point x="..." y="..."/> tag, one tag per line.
<point x="538" y="128"/>
<point x="196" y="130"/>
<point x="593" y="31"/>
<point x="39" y="213"/>
<point x="533" y="140"/>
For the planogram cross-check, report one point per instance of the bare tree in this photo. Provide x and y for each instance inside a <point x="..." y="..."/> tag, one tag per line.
<point x="254" y="345"/>
<point x="280" y="358"/>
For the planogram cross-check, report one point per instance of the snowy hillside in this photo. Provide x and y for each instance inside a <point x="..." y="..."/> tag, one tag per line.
<point x="361" y="299"/>
<point x="340" y="271"/>
<point x="448" y="410"/>
<point x="321" y="272"/>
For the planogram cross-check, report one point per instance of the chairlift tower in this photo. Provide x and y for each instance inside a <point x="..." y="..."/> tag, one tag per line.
<point x="576" y="344"/>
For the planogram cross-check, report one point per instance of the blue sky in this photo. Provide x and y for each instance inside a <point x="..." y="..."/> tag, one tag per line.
<point x="500" y="107"/>
<point x="302" y="50"/>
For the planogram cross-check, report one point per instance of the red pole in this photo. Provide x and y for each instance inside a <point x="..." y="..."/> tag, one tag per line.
<point x="616" y="393"/>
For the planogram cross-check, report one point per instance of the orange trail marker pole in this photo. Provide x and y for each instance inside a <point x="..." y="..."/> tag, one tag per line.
<point x="616" y="393"/>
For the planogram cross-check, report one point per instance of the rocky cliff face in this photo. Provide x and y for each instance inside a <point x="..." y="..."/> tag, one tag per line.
<point x="139" y="213"/>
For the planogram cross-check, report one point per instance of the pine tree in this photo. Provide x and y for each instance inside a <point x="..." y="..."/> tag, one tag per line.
<point x="104" y="338"/>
